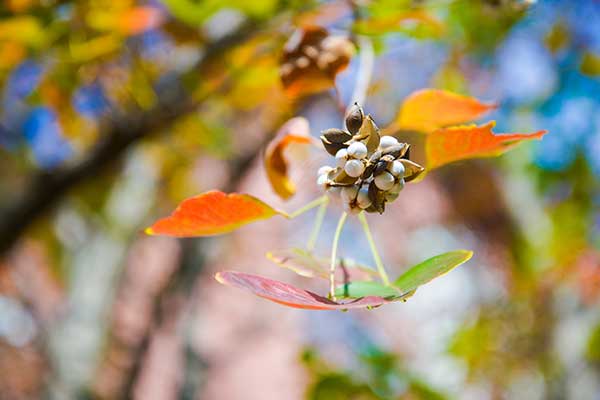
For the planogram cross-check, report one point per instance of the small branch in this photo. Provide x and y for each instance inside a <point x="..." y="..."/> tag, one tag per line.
<point x="336" y="239"/>
<point x="378" y="263"/>
<point x="312" y="240"/>
<point x="365" y="70"/>
<point x="315" y="203"/>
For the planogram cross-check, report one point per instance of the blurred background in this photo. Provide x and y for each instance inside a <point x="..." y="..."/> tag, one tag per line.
<point x="112" y="112"/>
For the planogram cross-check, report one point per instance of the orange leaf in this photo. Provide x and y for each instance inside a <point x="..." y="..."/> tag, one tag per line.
<point x="291" y="296"/>
<point x="460" y="142"/>
<point x="429" y="109"/>
<point x="295" y="130"/>
<point x="140" y="19"/>
<point x="212" y="213"/>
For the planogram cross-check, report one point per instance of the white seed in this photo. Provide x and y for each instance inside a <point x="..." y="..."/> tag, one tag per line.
<point x="357" y="150"/>
<point x="354" y="168"/>
<point x="384" y="181"/>
<point x="387" y="141"/>
<point x="324" y="170"/>
<point x="397" y="169"/>
<point x="340" y="157"/>
<point x="362" y="198"/>
<point x="322" y="180"/>
<point x="349" y="193"/>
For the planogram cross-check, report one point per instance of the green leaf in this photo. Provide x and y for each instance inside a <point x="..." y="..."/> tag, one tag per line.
<point x="366" y="288"/>
<point x="429" y="269"/>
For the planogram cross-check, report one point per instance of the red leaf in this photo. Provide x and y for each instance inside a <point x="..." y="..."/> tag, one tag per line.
<point x="428" y="109"/>
<point x="212" y="213"/>
<point x="289" y="295"/>
<point x="296" y="130"/>
<point x="461" y="142"/>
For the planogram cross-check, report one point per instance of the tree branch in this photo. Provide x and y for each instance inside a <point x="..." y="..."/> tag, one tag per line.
<point x="46" y="188"/>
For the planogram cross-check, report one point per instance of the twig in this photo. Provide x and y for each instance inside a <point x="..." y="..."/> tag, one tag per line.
<point x="336" y="239"/>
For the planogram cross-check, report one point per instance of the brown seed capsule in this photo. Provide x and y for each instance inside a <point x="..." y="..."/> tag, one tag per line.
<point x="377" y="198"/>
<point x="397" y="150"/>
<point x="368" y="171"/>
<point x="354" y="119"/>
<point x="380" y="167"/>
<point x="344" y="178"/>
<point x="336" y="135"/>
<point x="332" y="148"/>
<point x="411" y="169"/>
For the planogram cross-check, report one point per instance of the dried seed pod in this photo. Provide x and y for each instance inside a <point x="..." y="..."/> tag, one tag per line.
<point x="344" y="179"/>
<point x="396" y="151"/>
<point x="368" y="134"/>
<point x="380" y="167"/>
<point x="375" y="157"/>
<point x="332" y="148"/>
<point x="334" y="135"/>
<point x="354" y="119"/>
<point x="368" y="170"/>
<point x="411" y="169"/>
<point x="377" y="198"/>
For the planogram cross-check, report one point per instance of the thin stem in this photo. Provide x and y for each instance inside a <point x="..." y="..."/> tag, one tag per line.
<point x="312" y="240"/>
<point x="365" y="69"/>
<point x="380" y="268"/>
<point x="336" y="239"/>
<point x="315" y="203"/>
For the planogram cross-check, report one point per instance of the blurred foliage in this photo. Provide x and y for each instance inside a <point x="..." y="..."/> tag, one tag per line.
<point x="84" y="301"/>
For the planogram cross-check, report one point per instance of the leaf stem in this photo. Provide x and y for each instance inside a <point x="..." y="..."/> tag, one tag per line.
<point x="312" y="240"/>
<point x="315" y="203"/>
<point x="378" y="263"/>
<point x="336" y="239"/>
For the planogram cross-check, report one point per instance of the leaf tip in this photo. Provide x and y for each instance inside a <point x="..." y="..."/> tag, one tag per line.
<point x="149" y="231"/>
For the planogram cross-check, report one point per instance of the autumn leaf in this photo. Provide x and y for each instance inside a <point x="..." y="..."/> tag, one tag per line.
<point x="296" y="130"/>
<point x="429" y="109"/>
<point x="288" y="295"/>
<point x="140" y="19"/>
<point x="461" y="142"/>
<point x="311" y="60"/>
<point x="308" y="265"/>
<point x="430" y="269"/>
<point x="212" y="213"/>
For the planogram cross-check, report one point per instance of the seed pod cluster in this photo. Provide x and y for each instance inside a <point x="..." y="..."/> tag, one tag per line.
<point x="370" y="169"/>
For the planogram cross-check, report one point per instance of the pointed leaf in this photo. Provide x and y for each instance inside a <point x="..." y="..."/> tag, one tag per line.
<point x="212" y="213"/>
<point x="359" y="289"/>
<point x="460" y="142"/>
<point x="429" y="109"/>
<point x="296" y="130"/>
<point x="429" y="269"/>
<point x="288" y="295"/>
<point x="309" y="265"/>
